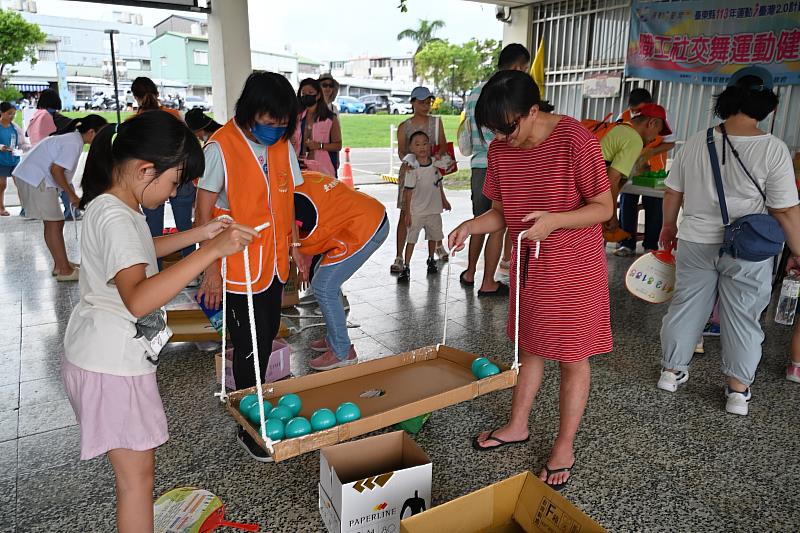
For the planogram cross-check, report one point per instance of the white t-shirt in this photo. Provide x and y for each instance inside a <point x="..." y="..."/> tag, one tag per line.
<point x="100" y="334"/>
<point x="765" y="156"/>
<point x="426" y="181"/>
<point x="62" y="150"/>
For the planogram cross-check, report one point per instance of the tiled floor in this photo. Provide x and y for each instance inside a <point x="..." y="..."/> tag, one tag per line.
<point x="647" y="460"/>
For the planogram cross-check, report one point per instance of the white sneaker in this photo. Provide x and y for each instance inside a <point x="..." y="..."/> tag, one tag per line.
<point x="442" y="253"/>
<point x="737" y="402"/>
<point x="700" y="348"/>
<point x="669" y="381"/>
<point x="397" y="266"/>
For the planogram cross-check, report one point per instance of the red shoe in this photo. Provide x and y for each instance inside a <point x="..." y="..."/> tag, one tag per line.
<point x="320" y="345"/>
<point x="328" y="360"/>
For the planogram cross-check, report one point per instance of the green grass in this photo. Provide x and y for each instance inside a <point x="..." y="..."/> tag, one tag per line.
<point x="372" y="131"/>
<point x="459" y="180"/>
<point x="358" y="131"/>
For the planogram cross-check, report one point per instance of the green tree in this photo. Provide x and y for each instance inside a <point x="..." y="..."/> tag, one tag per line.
<point x="19" y="40"/>
<point x="422" y="36"/>
<point x="454" y="68"/>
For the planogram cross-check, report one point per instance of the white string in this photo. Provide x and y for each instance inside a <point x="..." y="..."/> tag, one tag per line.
<point x="446" y="297"/>
<point x="74" y="222"/>
<point x="516" y="364"/>
<point x="223" y="393"/>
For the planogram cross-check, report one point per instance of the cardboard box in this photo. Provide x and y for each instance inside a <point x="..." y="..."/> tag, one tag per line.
<point x="277" y="365"/>
<point x="522" y="503"/>
<point x="387" y="390"/>
<point x="368" y="485"/>
<point x="291" y="291"/>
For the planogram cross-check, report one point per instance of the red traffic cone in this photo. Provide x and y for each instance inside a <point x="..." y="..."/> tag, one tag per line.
<point x="346" y="175"/>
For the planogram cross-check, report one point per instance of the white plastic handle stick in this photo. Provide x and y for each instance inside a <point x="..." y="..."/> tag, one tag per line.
<point x="516" y="303"/>
<point x="74" y="222"/>
<point x="446" y="297"/>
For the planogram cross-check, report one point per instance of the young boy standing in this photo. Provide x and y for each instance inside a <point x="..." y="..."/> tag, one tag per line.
<point x="423" y="202"/>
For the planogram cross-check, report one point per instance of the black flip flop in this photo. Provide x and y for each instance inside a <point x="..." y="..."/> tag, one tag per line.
<point x="501" y="290"/>
<point x="464" y="282"/>
<point x="549" y="472"/>
<point x="477" y="445"/>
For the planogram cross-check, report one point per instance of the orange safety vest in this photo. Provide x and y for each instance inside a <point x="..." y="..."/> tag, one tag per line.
<point x="658" y="161"/>
<point x="346" y="219"/>
<point x="257" y="197"/>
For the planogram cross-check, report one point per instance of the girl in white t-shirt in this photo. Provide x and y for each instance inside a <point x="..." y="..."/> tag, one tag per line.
<point x="43" y="173"/>
<point x="118" y="328"/>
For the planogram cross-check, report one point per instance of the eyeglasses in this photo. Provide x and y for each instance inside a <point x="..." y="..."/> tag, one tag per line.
<point x="327" y="86"/>
<point x="507" y="129"/>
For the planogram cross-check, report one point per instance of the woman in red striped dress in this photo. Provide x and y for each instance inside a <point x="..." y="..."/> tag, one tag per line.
<point x="547" y="178"/>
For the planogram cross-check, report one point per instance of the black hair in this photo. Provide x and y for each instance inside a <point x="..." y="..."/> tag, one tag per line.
<point x="155" y="136"/>
<point x="48" y="99"/>
<point x="743" y="98"/>
<point x="512" y="54"/>
<point x="639" y="96"/>
<point x="5" y="106"/>
<point x="507" y="94"/>
<point x="418" y="133"/>
<point x="197" y="120"/>
<point x="145" y="90"/>
<point x="323" y="111"/>
<point x="267" y="92"/>
<point x="83" y="124"/>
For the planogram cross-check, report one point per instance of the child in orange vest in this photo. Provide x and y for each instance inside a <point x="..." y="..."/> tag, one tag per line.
<point x="345" y="227"/>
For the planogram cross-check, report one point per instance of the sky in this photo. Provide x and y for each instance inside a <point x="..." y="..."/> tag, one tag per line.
<point x="330" y="29"/>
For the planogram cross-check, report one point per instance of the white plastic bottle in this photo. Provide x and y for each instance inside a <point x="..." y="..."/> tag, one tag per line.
<point x="787" y="303"/>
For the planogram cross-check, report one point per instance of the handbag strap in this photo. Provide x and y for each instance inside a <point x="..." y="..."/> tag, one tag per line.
<point x="712" y="153"/>
<point x="725" y="139"/>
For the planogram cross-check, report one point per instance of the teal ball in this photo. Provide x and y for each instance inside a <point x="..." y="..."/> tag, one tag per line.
<point x="274" y="429"/>
<point x="297" y="427"/>
<point x="282" y="413"/>
<point x="487" y="370"/>
<point x="246" y="402"/>
<point x="292" y="401"/>
<point x="347" y="412"/>
<point x="322" y="419"/>
<point x="253" y="416"/>
<point x="477" y="363"/>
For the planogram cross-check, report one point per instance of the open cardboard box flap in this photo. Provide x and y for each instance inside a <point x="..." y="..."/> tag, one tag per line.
<point x="387" y="391"/>
<point x="521" y="503"/>
<point x="352" y="461"/>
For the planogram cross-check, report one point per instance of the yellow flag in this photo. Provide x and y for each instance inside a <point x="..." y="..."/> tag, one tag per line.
<point x="537" y="69"/>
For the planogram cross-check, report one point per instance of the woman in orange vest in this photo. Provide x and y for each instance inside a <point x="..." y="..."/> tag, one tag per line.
<point x="251" y="172"/>
<point x="346" y="227"/>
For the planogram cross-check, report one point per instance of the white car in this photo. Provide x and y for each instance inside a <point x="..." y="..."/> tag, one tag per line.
<point x="399" y="107"/>
<point x="192" y="102"/>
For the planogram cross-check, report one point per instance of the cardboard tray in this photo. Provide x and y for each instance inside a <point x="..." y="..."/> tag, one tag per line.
<point x="189" y="324"/>
<point x="413" y="383"/>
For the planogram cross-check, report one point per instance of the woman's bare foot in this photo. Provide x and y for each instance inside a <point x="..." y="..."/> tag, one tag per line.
<point x="504" y="433"/>
<point x="561" y="456"/>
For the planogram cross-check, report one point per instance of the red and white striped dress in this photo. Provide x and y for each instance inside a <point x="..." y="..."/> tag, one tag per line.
<point x="565" y="305"/>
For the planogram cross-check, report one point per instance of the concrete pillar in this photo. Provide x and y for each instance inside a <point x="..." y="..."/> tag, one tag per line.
<point x="520" y="28"/>
<point x="229" y="51"/>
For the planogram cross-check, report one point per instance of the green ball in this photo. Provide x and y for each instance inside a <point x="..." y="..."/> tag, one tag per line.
<point x="274" y="429"/>
<point x="253" y="416"/>
<point x="246" y="402"/>
<point x="487" y="370"/>
<point x="477" y="363"/>
<point x="282" y="413"/>
<point x="347" y="412"/>
<point x="322" y="419"/>
<point x="292" y="401"/>
<point x="297" y="427"/>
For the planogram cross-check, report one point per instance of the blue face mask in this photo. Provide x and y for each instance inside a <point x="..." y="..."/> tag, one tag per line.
<point x="51" y="110"/>
<point x="267" y="135"/>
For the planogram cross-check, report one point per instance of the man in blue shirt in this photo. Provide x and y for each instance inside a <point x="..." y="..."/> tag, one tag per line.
<point x="513" y="57"/>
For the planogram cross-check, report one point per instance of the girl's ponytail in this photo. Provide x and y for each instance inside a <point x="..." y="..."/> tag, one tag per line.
<point x="97" y="177"/>
<point x="83" y="124"/>
<point x="145" y="91"/>
<point x="155" y="136"/>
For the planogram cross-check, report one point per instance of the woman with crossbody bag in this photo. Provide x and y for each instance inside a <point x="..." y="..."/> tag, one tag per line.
<point x="736" y="184"/>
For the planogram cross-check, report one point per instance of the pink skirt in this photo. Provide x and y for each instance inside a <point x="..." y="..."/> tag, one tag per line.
<point x="115" y="411"/>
